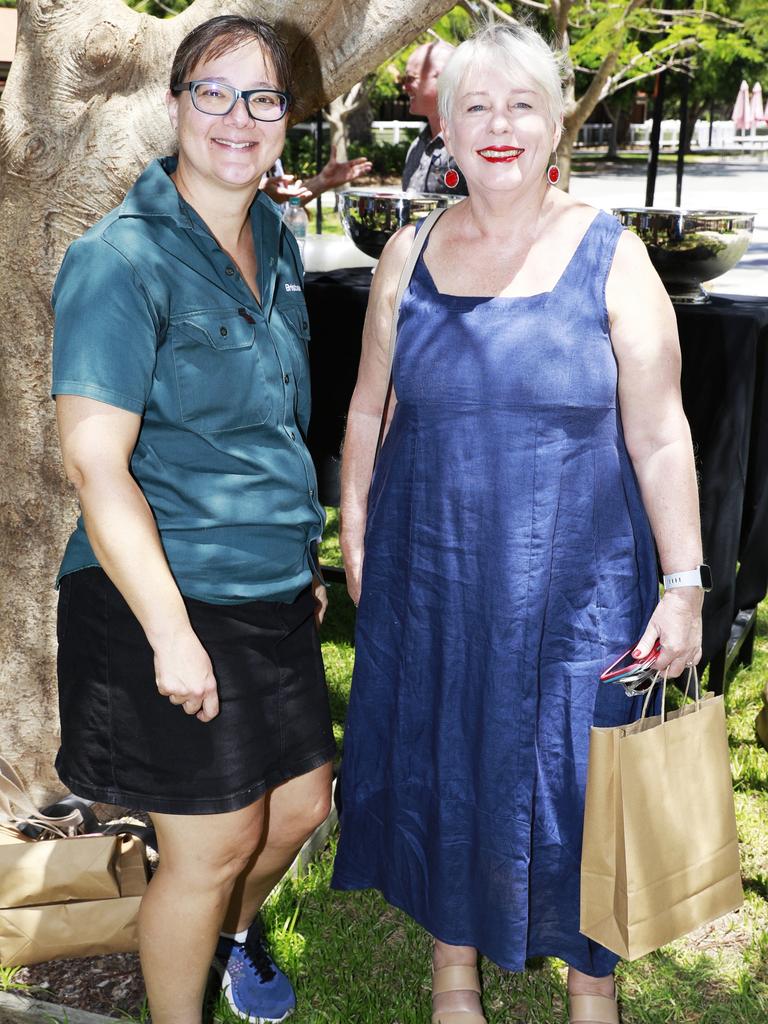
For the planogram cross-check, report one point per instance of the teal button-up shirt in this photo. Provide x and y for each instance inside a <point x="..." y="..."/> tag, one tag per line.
<point x="152" y="316"/>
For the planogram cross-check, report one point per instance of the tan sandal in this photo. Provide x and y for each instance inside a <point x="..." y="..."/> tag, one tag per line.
<point x="595" y="1009"/>
<point x="456" y="978"/>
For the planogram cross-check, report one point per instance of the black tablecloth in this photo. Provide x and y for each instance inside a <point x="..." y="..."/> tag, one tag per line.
<point x="336" y="302"/>
<point x="725" y="395"/>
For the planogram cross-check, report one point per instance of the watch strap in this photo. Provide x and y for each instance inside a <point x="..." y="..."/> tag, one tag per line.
<point x="690" y="578"/>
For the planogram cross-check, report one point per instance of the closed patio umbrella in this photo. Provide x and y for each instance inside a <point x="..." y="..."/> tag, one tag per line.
<point x="758" y="114"/>
<point x="742" y="111"/>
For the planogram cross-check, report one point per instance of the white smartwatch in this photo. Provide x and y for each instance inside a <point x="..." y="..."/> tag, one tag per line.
<point x="701" y="576"/>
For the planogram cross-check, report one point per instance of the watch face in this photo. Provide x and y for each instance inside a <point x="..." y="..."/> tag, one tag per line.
<point x="706" y="577"/>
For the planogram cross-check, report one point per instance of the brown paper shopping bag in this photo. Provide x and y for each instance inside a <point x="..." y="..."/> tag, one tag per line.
<point x="63" y="895"/>
<point x="660" y="854"/>
<point x="33" y="935"/>
<point x="90" y="867"/>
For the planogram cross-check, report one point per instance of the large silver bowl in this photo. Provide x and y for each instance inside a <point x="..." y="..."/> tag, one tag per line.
<point x="370" y="218"/>
<point x="690" y="246"/>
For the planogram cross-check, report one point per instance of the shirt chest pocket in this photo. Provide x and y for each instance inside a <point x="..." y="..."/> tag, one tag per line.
<point x="296" y="321"/>
<point x="219" y="373"/>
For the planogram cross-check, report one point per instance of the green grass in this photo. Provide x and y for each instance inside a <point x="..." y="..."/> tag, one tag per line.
<point x="331" y="221"/>
<point x="10" y="980"/>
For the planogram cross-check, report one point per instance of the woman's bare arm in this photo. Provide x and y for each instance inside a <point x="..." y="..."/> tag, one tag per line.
<point x="97" y="441"/>
<point x="644" y="337"/>
<point x="367" y="404"/>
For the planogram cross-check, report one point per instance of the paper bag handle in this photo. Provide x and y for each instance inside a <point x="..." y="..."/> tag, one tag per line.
<point x="18" y="809"/>
<point x="692" y="674"/>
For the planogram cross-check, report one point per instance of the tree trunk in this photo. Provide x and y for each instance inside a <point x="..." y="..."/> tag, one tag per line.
<point x="81" y="114"/>
<point x="338" y="113"/>
<point x="613" y="140"/>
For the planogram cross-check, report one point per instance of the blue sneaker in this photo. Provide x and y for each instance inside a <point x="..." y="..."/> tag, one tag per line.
<point x="253" y="984"/>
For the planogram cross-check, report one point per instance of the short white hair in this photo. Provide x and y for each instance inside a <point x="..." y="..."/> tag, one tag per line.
<point x="518" y="52"/>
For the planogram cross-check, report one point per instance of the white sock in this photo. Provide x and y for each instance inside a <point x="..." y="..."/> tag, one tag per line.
<point x="237" y="936"/>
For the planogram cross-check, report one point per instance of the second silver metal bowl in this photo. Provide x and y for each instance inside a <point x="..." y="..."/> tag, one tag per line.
<point x="688" y="247"/>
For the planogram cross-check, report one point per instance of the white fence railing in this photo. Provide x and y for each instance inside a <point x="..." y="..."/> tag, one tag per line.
<point x="724" y="135"/>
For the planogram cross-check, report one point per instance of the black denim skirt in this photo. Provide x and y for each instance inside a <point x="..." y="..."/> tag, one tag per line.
<point x="122" y="743"/>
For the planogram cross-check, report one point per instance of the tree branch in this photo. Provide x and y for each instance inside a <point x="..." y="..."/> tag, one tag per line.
<point x="95" y="12"/>
<point x="201" y="10"/>
<point x="702" y="15"/>
<point x="596" y="90"/>
<point x="561" y="12"/>
<point x="683" y="63"/>
<point x="670" y="48"/>
<point x="502" y="15"/>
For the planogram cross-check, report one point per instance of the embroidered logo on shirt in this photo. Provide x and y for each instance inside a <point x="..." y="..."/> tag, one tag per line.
<point x="292" y="287"/>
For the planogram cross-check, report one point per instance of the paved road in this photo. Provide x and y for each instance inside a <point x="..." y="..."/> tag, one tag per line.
<point x="737" y="185"/>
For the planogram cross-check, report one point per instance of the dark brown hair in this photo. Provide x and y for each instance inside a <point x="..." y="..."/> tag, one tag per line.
<point x="228" y="32"/>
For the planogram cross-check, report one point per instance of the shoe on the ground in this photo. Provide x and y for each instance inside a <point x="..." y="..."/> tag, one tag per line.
<point x="456" y="978"/>
<point x="253" y="984"/>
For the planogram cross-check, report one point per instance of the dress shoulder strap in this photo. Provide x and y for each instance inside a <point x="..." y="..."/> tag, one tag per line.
<point x="587" y="273"/>
<point x="421" y="234"/>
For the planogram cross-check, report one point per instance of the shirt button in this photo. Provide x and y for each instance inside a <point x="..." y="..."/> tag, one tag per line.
<point x="293" y="436"/>
<point x="287" y="379"/>
<point x="311" y="492"/>
<point x="223" y="331"/>
<point x="229" y="271"/>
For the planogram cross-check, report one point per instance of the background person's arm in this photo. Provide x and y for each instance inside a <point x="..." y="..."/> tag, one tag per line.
<point x="658" y="438"/>
<point x="97" y="441"/>
<point x="282" y="187"/>
<point x="367" y="405"/>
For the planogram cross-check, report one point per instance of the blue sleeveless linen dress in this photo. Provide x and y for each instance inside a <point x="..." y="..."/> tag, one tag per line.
<point x="508" y="560"/>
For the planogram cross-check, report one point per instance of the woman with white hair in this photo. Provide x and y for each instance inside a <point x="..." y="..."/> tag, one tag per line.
<point x="503" y="551"/>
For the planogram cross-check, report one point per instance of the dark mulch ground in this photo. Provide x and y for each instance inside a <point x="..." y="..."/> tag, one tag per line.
<point x="99" y="984"/>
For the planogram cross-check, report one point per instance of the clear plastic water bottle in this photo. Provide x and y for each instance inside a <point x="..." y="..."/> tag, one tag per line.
<point x="295" y="218"/>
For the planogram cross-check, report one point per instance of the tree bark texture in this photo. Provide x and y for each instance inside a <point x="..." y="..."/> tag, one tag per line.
<point x="81" y="115"/>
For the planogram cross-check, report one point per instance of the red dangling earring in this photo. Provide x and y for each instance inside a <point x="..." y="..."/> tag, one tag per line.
<point x="553" y="171"/>
<point x="451" y="178"/>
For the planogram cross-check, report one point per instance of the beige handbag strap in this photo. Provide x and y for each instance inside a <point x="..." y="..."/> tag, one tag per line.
<point x="419" y="241"/>
<point x="17" y="808"/>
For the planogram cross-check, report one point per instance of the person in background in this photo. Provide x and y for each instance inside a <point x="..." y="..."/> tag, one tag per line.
<point x="428" y="162"/>
<point x="191" y="680"/>
<point x="280" y="187"/>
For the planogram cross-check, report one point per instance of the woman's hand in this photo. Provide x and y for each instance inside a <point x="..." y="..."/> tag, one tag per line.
<point x="676" y="623"/>
<point x="184" y="675"/>
<point x="320" y="595"/>
<point x="284" y="187"/>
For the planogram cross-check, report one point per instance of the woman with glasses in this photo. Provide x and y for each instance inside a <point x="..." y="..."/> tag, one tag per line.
<point x="190" y="677"/>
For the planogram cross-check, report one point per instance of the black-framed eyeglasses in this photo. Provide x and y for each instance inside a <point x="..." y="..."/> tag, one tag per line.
<point x="218" y="99"/>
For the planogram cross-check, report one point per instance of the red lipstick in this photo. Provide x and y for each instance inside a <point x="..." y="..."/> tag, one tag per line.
<point x="499" y="154"/>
